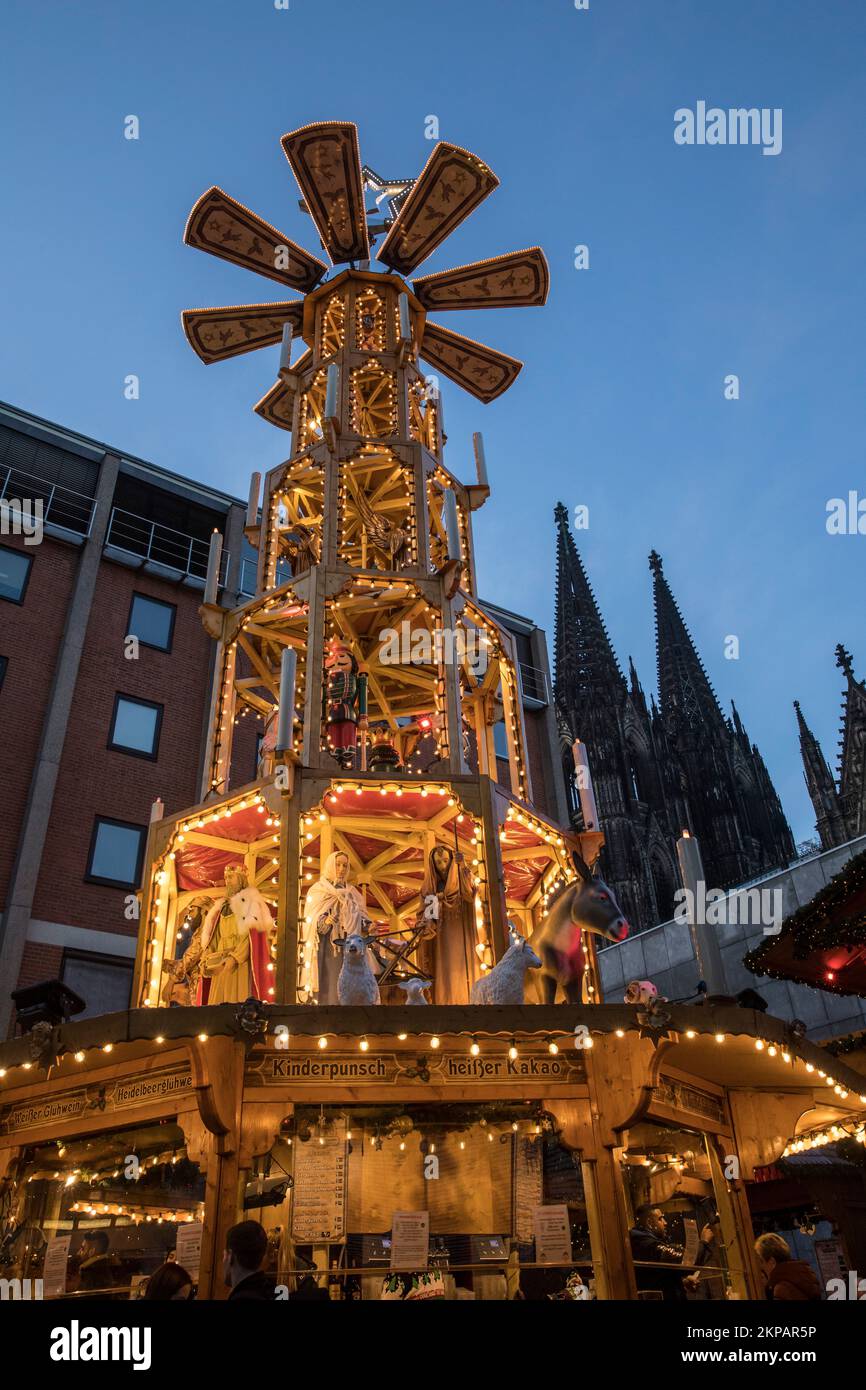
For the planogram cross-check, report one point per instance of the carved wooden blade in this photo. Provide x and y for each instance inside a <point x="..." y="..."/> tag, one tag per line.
<point x="216" y="334"/>
<point x="326" y="162"/>
<point x="517" y="279"/>
<point x="481" y="370"/>
<point x="277" y="405"/>
<point x="450" y="186"/>
<point x="226" y="228"/>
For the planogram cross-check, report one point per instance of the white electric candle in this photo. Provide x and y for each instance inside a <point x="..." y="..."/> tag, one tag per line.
<point x="253" y="503"/>
<point x="288" y="666"/>
<point x="452" y="526"/>
<point x="583" y="782"/>
<point x="213" y="568"/>
<point x="480" y="460"/>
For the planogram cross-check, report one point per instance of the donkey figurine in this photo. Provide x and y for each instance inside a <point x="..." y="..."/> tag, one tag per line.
<point x="586" y="905"/>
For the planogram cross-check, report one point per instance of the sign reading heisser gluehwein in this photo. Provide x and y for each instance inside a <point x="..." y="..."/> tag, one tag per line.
<point x="120" y="1093"/>
<point x="275" y="1067"/>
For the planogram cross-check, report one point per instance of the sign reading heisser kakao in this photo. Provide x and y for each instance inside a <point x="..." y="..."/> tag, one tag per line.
<point x="276" y="1067"/>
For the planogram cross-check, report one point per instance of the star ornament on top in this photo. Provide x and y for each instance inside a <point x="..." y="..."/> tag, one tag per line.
<point x="422" y="213"/>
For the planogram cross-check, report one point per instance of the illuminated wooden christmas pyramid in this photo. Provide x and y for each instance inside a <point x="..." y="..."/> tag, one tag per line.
<point x="374" y="674"/>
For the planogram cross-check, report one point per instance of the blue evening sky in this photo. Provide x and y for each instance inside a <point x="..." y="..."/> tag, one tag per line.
<point x="704" y="261"/>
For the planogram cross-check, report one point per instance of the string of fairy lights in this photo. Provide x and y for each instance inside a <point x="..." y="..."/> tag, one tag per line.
<point x="289" y="506"/>
<point x="372" y="401"/>
<point x="396" y="489"/>
<point x="332" y="333"/>
<point x="163" y="873"/>
<point x="423" y="416"/>
<point x="554" y="1040"/>
<point x="819" y="1138"/>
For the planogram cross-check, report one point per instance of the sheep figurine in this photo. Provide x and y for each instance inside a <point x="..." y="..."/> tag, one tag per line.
<point x="504" y="984"/>
<point x="415" y="990"/>
<point x="357" y="983"/>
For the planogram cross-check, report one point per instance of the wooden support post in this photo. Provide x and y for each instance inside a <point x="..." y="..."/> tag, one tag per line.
<point x="288" y="926"/>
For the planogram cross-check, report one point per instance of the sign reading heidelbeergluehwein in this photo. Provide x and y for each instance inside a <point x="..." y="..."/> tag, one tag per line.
<point x="389" y="1068"/>
<point x="122" y="1093"/>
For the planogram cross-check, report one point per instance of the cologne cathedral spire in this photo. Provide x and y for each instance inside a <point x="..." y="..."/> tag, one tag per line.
<point x="595" y="704"/>
<point x="686" y="697"/>
<point x="583" y="656"/>
<point x="830" y="822"/>
<point x="840" y="811"/>
<point x="852" y="758"/>
<point x="658" y="768"/>
<point x="736" y="811"/>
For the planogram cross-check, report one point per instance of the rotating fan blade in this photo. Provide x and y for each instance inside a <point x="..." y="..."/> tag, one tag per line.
<point x="277" y="405"/>
<point x="481" y="370"/>
<point x="226" y="228"/>
<point x="216" y="334"/>
<point x="518" y="279"/>
<point x="326" y="162"/>
<point x="450" y="186"/>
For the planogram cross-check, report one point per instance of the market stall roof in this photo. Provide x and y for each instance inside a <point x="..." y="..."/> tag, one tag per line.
<point x="824" y="943"/>
<point x="730" y="1046"/>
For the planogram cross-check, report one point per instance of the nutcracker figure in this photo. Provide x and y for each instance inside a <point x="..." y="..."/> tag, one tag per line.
<point x="345" y="702"/>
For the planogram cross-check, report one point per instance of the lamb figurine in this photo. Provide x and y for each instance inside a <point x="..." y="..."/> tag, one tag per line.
<point x="504" y="984"/>
<point x="415" y="990"/>
<point x="357" y="983"/>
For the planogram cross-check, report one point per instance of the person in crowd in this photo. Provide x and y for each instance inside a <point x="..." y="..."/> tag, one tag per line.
<point x="170" y="1281"/>
<point x="96" y="1267"/>
<point x="246" y="1248"/>
<point x="648" y="1245"/>
<point x="788" y="1281"/>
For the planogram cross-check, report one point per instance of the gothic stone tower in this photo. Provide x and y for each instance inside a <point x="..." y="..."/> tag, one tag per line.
<point x="840" y="811"/>
<point x="374" y="675"/>
<point x="658" y="770"/>
<point x="633" y="785"/>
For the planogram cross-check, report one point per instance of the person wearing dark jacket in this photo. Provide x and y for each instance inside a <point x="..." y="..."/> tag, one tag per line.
<point x="788" y="1281"/>
<point x="246" y="1247"/>
<point x="96" y="1269"/>
<point x="648" y="1246"/>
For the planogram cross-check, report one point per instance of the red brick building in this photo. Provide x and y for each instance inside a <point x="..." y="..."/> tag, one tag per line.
<point x="98" y="725"/>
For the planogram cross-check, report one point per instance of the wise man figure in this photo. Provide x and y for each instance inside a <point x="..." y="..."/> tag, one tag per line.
<point x="334" y="909"/>
<point x="235" y="944"/>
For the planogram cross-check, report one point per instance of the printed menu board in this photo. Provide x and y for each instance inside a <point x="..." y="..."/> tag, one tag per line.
<point x="54" y="1266"/>
<point x="552" y="1235"/>
<point x="410" y="1239"/>
<point x="319" y="1193"/>
<point x="188" y="1247"/>
<point x="528" y="1192"/>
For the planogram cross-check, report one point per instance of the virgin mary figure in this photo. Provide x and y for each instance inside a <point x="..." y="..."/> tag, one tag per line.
<point x="334" y="909"/>
<point x="449" y="902"/>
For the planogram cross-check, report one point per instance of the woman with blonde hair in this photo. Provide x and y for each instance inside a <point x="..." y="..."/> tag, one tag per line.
<point x="788" y="1281"/>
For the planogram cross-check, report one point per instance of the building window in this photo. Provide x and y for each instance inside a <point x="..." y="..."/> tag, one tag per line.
<point x="4" y="662"/>
<point x="116" y="853"/>
<point x="500" y="739"/>
<point x="14" y="573"/>
<point x="152" y="622"/>
<point x="135" y="726"/>
<point x="104" y="982"/>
